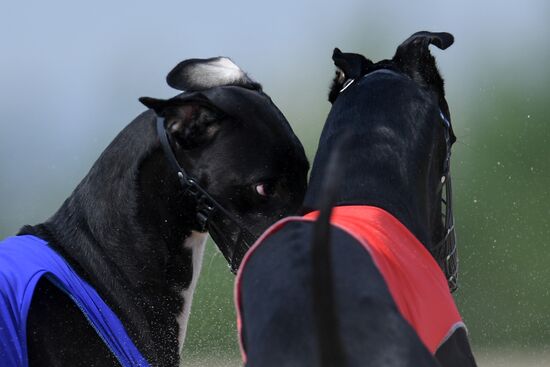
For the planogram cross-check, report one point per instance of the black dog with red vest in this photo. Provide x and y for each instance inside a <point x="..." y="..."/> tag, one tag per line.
<point x="373" y="287"/>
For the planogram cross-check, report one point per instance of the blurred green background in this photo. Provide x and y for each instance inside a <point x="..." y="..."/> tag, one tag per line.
<point x="71" y="73"/>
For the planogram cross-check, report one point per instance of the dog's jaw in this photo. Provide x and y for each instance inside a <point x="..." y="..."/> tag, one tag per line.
<point x="196" y="243"/>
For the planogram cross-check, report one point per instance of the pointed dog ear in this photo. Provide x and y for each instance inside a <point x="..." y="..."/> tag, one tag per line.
<point x="351" y="65"/>
<point x="348" y="66"/>
<point x="191" y="123"/>
<point x="413" y="57"/>
<point x="158" y="105"/>
<point x="421" y="41"/>
<point x="200" y="74"/>
<point x="414" y="52"/>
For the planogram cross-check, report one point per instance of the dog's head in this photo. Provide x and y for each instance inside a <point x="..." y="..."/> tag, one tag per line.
<point x="410" y="91"/>
<point x="412" y="58"/>
<point x="230" y="137"/>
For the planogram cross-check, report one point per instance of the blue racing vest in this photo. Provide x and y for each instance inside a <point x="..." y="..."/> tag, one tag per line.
<point x="23" y="261"/>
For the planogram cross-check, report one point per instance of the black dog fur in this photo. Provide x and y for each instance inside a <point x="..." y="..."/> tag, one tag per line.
<point x="393" y="160"/>
<point x="128" y="230"/>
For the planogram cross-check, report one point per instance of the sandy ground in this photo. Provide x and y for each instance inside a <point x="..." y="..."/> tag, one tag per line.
<point x="517" y="358"/>
<point x="493" y="358"/>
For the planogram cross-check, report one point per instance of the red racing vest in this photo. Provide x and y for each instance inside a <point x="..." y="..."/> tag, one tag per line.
<point x="415" y="280"/>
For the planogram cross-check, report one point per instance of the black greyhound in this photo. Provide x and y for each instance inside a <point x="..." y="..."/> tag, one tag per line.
<point x="303" y="303"/>
<point x="218" y="157"/>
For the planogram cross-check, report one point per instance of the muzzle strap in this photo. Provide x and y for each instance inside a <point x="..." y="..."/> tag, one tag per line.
<point x="232" y="247"/>
<point x="445" y="251"/>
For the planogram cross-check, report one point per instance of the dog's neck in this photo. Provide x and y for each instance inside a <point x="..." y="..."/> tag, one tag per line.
<point x="126" y="231"/>
<point x="393" y="160"/>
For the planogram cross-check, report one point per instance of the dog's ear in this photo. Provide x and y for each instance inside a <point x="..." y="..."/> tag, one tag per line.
<point x="348" y="66"/>
<point x="201" y="74"/>
<point x="421" y="40"/>
<point x="413" y="57"/>
<point x="191" y="123"/>
<point x="351" y="65"/>
<point x="158" y="105"/>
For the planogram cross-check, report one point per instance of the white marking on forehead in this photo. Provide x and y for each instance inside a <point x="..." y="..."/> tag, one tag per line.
<point x="196" y="242"/>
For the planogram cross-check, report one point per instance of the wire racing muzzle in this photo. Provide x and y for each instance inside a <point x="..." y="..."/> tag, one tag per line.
<point x="444" y="251"/>
<point x="232" y="239"/>
<point x="226" y="230"/>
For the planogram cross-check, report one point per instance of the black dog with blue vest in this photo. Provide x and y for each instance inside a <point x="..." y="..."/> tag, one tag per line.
<point x="108" y="280"/>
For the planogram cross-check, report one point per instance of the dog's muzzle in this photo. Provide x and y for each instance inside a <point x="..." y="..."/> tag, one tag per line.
<point x="445" y="252"/>
<point x="226" y="230"/>
<point x="232" y="239"/>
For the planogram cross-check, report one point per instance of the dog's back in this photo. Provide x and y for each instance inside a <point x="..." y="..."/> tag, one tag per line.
<point x="281" y="330"/>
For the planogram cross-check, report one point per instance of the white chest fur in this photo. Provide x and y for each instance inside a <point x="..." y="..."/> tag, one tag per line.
<point x="196" y="242"/>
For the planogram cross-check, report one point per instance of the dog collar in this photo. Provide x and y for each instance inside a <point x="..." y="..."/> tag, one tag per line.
<point x="347" y="83"/>
<point x="233" y="246"/>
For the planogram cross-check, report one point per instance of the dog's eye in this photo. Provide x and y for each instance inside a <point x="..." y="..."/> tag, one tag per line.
<point x="264" y="189"/>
